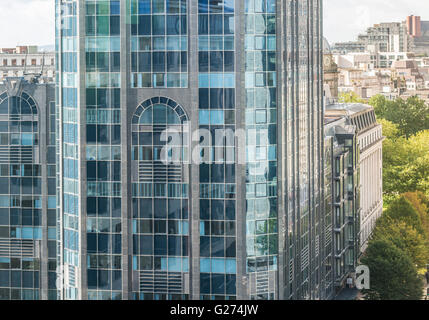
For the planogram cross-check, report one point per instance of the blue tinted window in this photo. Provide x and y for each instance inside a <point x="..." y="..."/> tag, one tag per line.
<point x="204" y="117"/>
<point x="144" y="7"/>
<point x="218" y="265"/>
<point x="115" y="7"/>
<point x="217" y="117"/>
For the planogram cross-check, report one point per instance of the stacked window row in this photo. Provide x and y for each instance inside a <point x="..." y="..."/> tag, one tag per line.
<point x="216" y="80"/>
<point x="159" y="44"/>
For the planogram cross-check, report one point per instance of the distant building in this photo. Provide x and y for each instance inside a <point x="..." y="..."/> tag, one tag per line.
<point x="27" y="61"/>
<point x="27" y="191"/>
<point x="408" y="71"/>
<point x="369" y="138"/>
<point x="418" y="31"/>
<point x="382" y="37"/>
<point x="330" y="70"/>
<point x="349" y="46"/>
<point x="414" y="26"/>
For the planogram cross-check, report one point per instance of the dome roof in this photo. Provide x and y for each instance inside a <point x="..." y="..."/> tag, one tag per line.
<point x="326" y="46"/>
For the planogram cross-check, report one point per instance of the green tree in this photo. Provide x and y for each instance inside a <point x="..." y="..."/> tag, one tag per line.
<point x="411" y="115"/>
<point x="381" y="105"/>
<point x="420" y="203"/>
<point x="405" y="238"/>
<point x="405" y="161"/>
<point x="350" y="97"/>
<point x="402" y="210"/>
<point x="393" y="275"/>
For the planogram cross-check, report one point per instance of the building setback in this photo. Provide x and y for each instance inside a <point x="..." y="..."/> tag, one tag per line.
<point x="27" y="190"/>
<point x="368" y="134"/>
<point x="134" y="227"/>
<point x="342" y="162"/>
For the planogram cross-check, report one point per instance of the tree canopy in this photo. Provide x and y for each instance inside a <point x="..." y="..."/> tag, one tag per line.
<point x="350" y="97"/>
<point x="398" y="250"/>
<point x="411" y="115"/>
<point x="420" y="203"/>
<point x="405" y="238"/>
<point x="393" y="275"/>
<point x="405" y="161"/>
<point x="402" y="210"/>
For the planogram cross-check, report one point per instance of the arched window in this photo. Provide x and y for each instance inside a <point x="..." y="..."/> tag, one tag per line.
<point x="154" y="122"/>
<point x="160" y="201"/>
<point x="159" y="111"/>
<point x="19" y="127"/>
<point x="17" y="105"/>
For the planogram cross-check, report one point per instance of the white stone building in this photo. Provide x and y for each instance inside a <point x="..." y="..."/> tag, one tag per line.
<point x="370" y="140"/>
<point x="22" y="63"/>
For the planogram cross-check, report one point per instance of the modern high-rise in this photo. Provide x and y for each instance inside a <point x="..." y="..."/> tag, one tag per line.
<point x="27" y="190"/>
<point x="237" y="215"/>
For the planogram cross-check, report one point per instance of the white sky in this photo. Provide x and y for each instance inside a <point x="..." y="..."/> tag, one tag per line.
<point x="32" y="21"/>
<point x="27" y="22"/>
<point x="345" y="19"/>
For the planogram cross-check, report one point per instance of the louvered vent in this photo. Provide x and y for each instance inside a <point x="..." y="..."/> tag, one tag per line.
<point x="162" y="282"/>
<point x="317" y="246"/>
<point x="304" y="258"/>
<point x="159" y="172"/>
<point x="15" y="248"/>
<point x="72" y="276"/>
<point x="262" y="282"/>
<point x="16" y="154"/>
<point x="328" y="235"/>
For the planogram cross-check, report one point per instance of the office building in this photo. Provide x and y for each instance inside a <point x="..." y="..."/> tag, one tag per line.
<point x="27" y="190"/>
<point x="250" y="225"/>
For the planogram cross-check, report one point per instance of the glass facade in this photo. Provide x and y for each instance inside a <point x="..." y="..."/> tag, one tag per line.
<point x="67" y="100"/>
<point x="342" y="179"/>
<point x="327" y="245"/>
<point x="261" y="143"/>
<point x="27" y="193"/>
<point x="103" y="150"/>
<point x="160" y="203"/>
<point x="159" y="44"/>
<point x="303" y="255"/>
<point x="125" y="77"/>
<point x="216" y="105"/>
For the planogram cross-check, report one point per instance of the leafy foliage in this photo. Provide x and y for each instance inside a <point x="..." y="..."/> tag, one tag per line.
<point x="402" y="210"/>
<point x="420" y="203"/>
<point x="398" y="249"/>
<point x="404" y="237"/>
<point x="411" y="115"/>
<point x="393" y="275"/>
<point x="405" y="161"/>
<point x="350" y="97"/>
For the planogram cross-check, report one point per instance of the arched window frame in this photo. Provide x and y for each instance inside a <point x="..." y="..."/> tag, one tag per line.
<point x="24" y="96"/>
<point x="150" y="103"/>
<point x="18" y="116"/>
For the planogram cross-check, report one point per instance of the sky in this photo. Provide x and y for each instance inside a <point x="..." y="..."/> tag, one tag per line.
<point x="31" y="22"/>
<point x="345" y="19"/>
